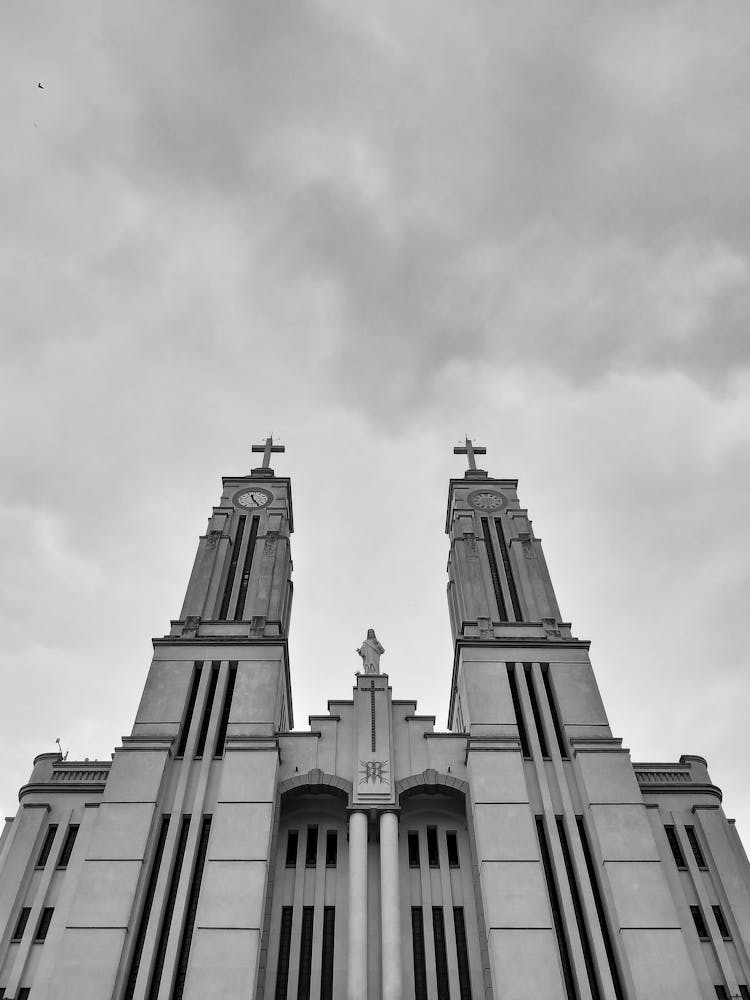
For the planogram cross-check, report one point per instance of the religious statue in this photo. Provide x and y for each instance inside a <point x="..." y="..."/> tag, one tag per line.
<point x="371" y="651"/>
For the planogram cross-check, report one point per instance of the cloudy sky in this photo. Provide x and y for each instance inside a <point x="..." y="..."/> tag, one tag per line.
<point x="372" y="228"/>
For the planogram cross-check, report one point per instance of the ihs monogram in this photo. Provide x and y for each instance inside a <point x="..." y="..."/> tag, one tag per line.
<point x="374" y="771"/>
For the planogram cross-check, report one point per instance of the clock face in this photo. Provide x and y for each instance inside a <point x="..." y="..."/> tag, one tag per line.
<point x="487" y="500"/>
<point x="252" y="498"/>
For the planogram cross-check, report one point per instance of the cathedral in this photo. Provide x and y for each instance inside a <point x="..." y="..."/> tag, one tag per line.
<point x="223" y="853"/>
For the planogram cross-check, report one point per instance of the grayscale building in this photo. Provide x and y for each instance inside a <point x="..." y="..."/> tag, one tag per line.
<point x="519" y="856"/>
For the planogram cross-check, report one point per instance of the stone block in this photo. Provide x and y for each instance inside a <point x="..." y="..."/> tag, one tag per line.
<point x="135" y="776"/>
<point x="660" y="964"/>
<point x="515" y="894"/>
<point x="223" y="963"/>
<point x="232" y="894"/>
<point x="488" y="699"/>
<point x="624" y="833"/>
<point x="505" y="832"/>
<point x="609" y="777"/>
<point x="120" y="831"/>
<point x="256" y="692"/>
<point x="104" y="895"/>
<point x="241" y="831"/>
<point x="525" y="965"/>
<point x="496" y="776"/>
<point x="641" y="894"/>
<point x="578" y="698"/>
<point x="88" y="964"/>
<point x="166" y="691"/>
<point x="249" y="776"/>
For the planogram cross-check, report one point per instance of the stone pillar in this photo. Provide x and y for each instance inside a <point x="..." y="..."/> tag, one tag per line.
<point x="357" y="981"/>
<point x="389" y="907"/>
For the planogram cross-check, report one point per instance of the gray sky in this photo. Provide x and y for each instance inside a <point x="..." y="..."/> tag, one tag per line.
<point x="370" y="229"/>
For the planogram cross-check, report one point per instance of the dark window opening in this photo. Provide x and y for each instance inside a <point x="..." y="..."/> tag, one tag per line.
<point x="412" y="841"/>
<point x="201" y="744"/>
<point x="562" y="746"/>
<point x="420" y="966"/>
<point x="588" y="955"/>
<point x="433" y="853"/>
<point x="535" y="710"/>
<point x="522" y="735"/>
<point x="305" y="954"/>
<point x="24" y="993"/>
<point x="744" y="992"/>
<point x="721" y="923"/>
<point x="721" y="992"/>
<point x="462" y="954"/>
<point x="451" y="840"/>
<point x="221" y="734"/>
<point x="674" y="844"/>
<point x="285" y="947"/>
<point x="557" y="917"/>
<point x="441" y="955"/>
<point x="311" y="847"/>
<point x="44" y="921"/>
<point x="700" y="923"/>
<point x="246" y="569"/>
<point x="166" y="923"/>
<point x="600" y="912"/>
<point x="494" y="572"/>
<point x="292" y="840"/>
<point x="41" y="861"/>
<point x="147" y="904"/>
<point x="23" y="919"/>
<point x="508" y="570"/>
<point x="332" y="848"/>
<point x="67" y="848"/>
<point x="326" y="967"/>
<point x="229" y="585"/>
<point x="191" y="910"/>
<point x="695" y="847"/>
<point x="197" y="667"/>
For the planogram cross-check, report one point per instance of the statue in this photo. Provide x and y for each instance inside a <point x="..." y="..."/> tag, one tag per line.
<point x="371" y="651"/>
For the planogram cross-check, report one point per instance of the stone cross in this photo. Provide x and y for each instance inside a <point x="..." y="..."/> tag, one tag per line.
<point x="471" y="450"/>
<point x="268" y="448"/>
<point x="371" y="651"/>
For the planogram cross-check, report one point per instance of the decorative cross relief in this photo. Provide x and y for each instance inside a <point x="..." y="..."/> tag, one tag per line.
<point x="374" y="771"/>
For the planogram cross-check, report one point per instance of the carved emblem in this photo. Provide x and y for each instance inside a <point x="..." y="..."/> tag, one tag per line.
<point x="375" y="771"/>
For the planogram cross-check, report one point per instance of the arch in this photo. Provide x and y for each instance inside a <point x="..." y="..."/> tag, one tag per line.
<point x="432" y="782"/>
<point x="315" y="782"/>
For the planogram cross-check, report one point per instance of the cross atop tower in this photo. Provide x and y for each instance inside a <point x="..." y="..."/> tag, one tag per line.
<point x="268" y="449"/>
<point x="470" y="450"/>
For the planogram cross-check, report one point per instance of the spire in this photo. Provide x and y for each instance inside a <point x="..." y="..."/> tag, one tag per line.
<point x="268" y="448"/>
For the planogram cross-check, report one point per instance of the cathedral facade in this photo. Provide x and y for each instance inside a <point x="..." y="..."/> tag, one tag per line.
<point x="520" y="855"/>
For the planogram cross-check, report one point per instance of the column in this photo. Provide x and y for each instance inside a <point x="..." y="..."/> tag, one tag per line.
<point x="357" y="982"/>
<point x="389" y="907"/>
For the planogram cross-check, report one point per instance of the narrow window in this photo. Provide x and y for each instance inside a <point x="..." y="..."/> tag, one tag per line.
<point x="433" y="854"/>
<point x="695" y="846"/>
<point x="249" y="553"/>
<point x="700" y="923"/>
<point x="608" y="946"/>
<point x="332" y="848"/>
<point x="508" y="570"/>
<point x="553" y="712"/>
<point x="147" y="904"/>
<point x="285" y="947"/>
<point x="67" y="848"/>
<point x="578" y="909"/>
<point x="221" y="734"/>
<point x="494" y="573"/>
<point x="201" y="744"/>
<point x="23" y="919"/>
<point x="166" y="923"/>
<point x="292" y="840"/>
<point x="229" y="585"/>
<point x="674" y="844"/>
<point x="554" y="902"/>
<point x="744" y="992"/>
<point x="412" y="841"/>
<point x="41" y="861"/>
<point x="190" y="911"/>
<point x="24" y="993"/>
<point x="451" y="840"/>
<point x="522" y="735"/>
<point x="417" y="940"/>
<point x="535" y="710"/>
<point x="190" y="708"/>
<point x="44" y="921"/>
<point x="441" y="956"/>
<point x="462" y="953"/>
<point x="326" y="966"/>
<point x="721" y="923"/>
<point x="311" y="847"/>
<point x="305" y="954"/>
<point x="721" y="992"/>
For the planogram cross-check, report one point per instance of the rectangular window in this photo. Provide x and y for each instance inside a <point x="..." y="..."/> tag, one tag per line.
<point x="441" y="955"/>
<point x="44" y="921"/>
<point x="508" y="570"/>
<point x="553" y="712"/>
<point x="292" y="840"/>
<point x="462" y="953"/>
<point x="311" y="847"/>
<point x="588" y="956"/>
<point x="721" y="923"/>
<point x="67" y="848"/>
<point x="146" y="913"/>
<point x="41" y="861"/>
<point x="721" y="993"/>
<point x="191" y="910"/>
<point x="497" y="587"/>
<point x="700" y="923"/>
<point x="674" y="844"/>
<point x="417" y="940"/>
<point x="600" y="912"/>
<point x="326" y="967"/>
<point x="433" y="854"/>
<point x="229" y="585"/>
<point x="245" y="579"/>
<point x="695" y="847"/>
<point x="285" y="947"/>
<point x="25" y="993"/>
<point x="202" y="736"/>
<point x="535" y="710"/>
<point x="221" y="733"/>
<point x="332" y="848"/>
<point x="554" y="903"/>
<point x="451" y="840"/>
<point x="305" y="954"/>
<point x="744" y="992"/>
<point x="23" y="919"/>
<point x="197" y="667"/>
<point x="523" y="737"/>
<point x="412" y="841"/>
<point x="166" y="922"/>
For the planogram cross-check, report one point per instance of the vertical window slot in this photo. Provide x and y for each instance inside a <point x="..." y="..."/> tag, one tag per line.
<point x="721" y="923"/>
<point x="721" y="992"/>
<point x="522" y="734"/>
<point x="247" y="567"/>
<point x="191" y="910"/>
<point x="598" y="902"/>
<point x="462" y="954"/>
<point x="535" y="710"/>
<point x="24" y="993"/>
<point x="578" y="908"/>
<point x="554" y="902"/>
<point x="67" y="848"/>
<point x="44" y="921"/>
<point x="494" y="572"/>
<point x="505" y="554"/>
<point x="700" y="923"/>
<point x="332" y="848"/>
<point x="695" y="847"/>
<point x="674" y="845"/>
<point x="562" y="746"/>
<point x="433" y="852"/>
<point x="326" y="967"/>
<point x="49" y="839"/>
<point x="285" y="948"/>
<point x="23" y="919"/>
<point x="451" y="841"/>
<point x="420" y="966"/>
<point x="148" y="901"/>
<point x="197" y="667"/>
<point x="161" y="946"/>
<point x="311" y="847"/>
<point x="292" y="840"/>
<point x="744" y="992"/>
<point x="201" y="744"/>
<point x="441" y="955"/>
<point x="412" y="843"/>
<point x="305" y="954"/>
<point x="229" y="585"/>
<point x="221" y="734"/>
